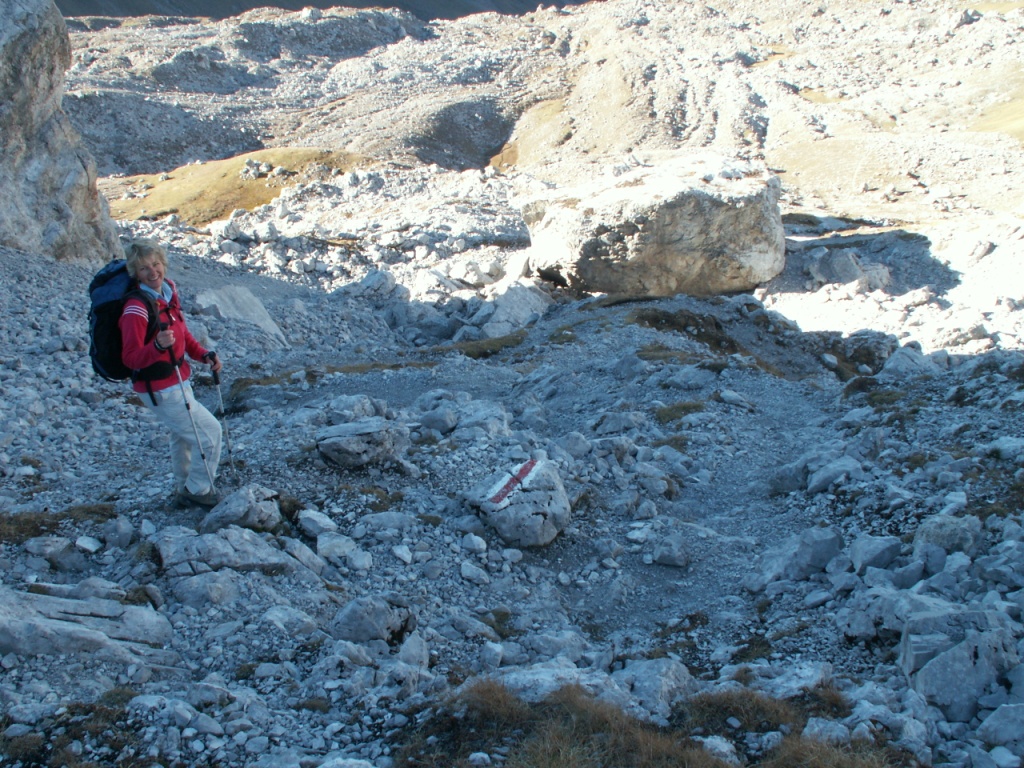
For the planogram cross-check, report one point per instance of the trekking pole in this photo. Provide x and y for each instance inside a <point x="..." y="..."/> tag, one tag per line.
<point x="188" y="407"/>
<point x="223" y="417"/>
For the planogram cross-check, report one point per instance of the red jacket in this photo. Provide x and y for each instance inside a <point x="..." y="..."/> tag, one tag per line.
<point x="138" y="353"/>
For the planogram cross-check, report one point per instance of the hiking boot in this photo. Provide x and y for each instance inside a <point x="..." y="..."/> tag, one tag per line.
<point x="210" y="499"/>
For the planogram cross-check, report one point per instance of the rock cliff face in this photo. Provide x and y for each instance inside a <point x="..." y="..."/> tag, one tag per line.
<point x="51" y="202"/>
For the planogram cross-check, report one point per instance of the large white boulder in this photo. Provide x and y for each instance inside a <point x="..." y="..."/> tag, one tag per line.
<point x="681" y="224"/>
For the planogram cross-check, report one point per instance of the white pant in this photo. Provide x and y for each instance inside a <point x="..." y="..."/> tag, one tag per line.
<point x="171" y="412"/>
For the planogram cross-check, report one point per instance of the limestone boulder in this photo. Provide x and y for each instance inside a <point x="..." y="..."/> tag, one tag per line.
<point x="51" y="203"/>
<point x="183" y="552"/>
<point x="528" y="506"/>
<point x="513" y="308"/>
<point x="951" y="533"/>
<point x="233" y="302"/>
<point x="34" y="624"/>
<point x="372" y="618"/>
<point x="955" y="679"/>
<point x="212" y="588"/>
<point x="680" y="224"/>
<point x="252" y="506"/>
<point x="797" y="557"/>
<point x="374" y="440"/>
<point x="657" y="684"/>
<point x="1005" y="727"/>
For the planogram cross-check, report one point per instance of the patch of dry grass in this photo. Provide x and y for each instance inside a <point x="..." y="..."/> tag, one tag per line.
<point x="316" y="704"/>
<point x="382" y="499"/>
<point x="103" y="723"/>
<point x="659" y="353"/>
<point x="484" y="348"/>
<point x="17" y="529"/>
<point x="1005" y="117"/>
<point x="669" y="413"/>
<point x="859" y="385"/>
<point x="1005" y="499"/>
<point x="244" y="383"/>
<point x="205" y="192"/>
<point x="136" y="595"/>
<point x="756" y="647"/>
<point x="372" y="367"/>
<point x="290" y="506"/>
<point x="500" y="620"/>
<point x="376" y="498"/>
<point x="117" y="697"/>
<point x="563" y="335"/>
<point x="543" y="125"/>
<point x="29" y="749"/>
<point x="759" y="713"/>
<point x="827" y="701"/>
<point x="679" y="442"/>
<point x="883" y="399"/>
<point x="569" y="729"/>
<point x="617" y="299"/>
<point x="488" y="702"/>
<point x="706" y="329"/>
<point x="755" y="711"/>
<point x="797" y="752"/>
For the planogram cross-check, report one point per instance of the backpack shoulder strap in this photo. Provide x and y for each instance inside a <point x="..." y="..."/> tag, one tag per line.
<point x="151" y="310"/>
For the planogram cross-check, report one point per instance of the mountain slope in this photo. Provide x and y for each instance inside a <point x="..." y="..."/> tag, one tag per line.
<point x="811" y="493"/>
<point x="424" y="9"/>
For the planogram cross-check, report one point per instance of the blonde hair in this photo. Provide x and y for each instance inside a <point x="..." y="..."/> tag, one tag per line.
<point x="141" y="249"/>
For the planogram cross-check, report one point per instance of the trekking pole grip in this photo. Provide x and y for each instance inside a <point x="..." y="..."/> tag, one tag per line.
<point x="170" y="350"/>
<point x="216" y="373"/>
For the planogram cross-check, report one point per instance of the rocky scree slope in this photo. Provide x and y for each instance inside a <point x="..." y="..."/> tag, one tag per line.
<point x="753" y="501"/>
<point x="735" y="503"/>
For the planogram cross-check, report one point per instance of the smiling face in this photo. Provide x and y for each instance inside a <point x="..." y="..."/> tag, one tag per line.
<point x="150" y="272"/>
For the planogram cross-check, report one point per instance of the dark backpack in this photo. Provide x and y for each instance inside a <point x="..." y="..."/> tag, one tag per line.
<point x="108" y="291"/>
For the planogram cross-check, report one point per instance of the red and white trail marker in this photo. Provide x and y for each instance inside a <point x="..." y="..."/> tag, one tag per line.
<point x="498" y="495"/>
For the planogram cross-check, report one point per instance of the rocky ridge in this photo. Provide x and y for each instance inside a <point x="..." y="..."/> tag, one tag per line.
<point x="758" y="498"/>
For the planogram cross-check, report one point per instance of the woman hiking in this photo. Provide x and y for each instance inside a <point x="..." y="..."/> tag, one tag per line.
<point x="161" y="372"/>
